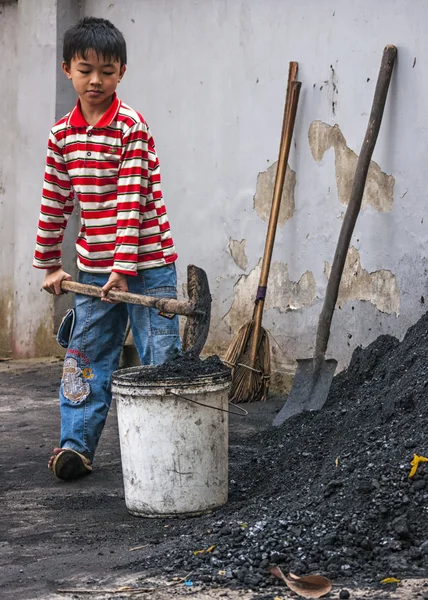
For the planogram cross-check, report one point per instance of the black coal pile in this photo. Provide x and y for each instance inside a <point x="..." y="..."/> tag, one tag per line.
<point x="329" y="492"/>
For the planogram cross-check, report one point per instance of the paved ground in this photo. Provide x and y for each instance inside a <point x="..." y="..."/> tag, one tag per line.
<point x="58" y="536"/>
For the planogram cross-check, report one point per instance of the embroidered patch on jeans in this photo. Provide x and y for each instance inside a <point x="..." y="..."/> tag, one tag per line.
<point x="74" y="389"/>
<point x="79" y="354"/>
<point x="87" y="373"/>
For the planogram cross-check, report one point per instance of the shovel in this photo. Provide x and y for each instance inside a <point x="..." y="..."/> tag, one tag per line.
<point x="314" y="376"/>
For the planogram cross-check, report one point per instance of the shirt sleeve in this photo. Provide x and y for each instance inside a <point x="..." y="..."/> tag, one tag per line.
<point x="133" y="187"/>
<point x="56" y="208"/>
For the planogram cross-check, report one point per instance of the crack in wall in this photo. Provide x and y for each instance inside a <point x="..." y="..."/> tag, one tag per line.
<point x="379" y="189"/>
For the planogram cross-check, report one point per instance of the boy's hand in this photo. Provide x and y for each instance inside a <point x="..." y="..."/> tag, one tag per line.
<point x="52" y="281"/>
<point x="117" y="282"/>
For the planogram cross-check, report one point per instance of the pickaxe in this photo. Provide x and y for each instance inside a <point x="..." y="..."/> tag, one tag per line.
<point x="197" y="309"/>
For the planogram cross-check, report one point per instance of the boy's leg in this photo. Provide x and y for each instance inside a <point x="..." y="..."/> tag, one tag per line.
<point x="92" y="356"/>
<point x="156" y="337"/>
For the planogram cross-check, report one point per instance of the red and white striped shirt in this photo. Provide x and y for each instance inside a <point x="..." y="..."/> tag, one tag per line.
<point x="113" y="170"/>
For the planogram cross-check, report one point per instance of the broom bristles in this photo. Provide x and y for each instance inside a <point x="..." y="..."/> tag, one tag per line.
<point x="249" y="384"/>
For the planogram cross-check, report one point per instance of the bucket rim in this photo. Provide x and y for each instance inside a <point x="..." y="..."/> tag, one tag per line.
<point x="123" y="377"/>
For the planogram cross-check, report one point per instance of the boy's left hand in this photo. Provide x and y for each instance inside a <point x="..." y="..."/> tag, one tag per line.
<point x="117" y="282"/>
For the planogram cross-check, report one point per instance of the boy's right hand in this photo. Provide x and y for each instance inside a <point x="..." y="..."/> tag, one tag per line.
<point x="53" y="278"/>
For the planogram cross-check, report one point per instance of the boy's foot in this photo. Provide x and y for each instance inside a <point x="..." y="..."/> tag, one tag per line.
<point x="55" y="452"/>
<point x="68" y="464"/>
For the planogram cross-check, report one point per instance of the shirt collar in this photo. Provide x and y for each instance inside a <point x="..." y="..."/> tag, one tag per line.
<point x="76" y="118"/>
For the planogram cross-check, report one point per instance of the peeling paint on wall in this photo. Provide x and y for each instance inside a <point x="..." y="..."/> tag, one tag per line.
<point x="237" y="250"/>
<point x="283" y="294"/>
<point x="380" y="287"/>
<point x="264" y="194"/>
<point x="379" y="188"/>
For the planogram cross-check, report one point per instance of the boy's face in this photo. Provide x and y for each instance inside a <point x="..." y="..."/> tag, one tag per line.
<point x="94" y="78"/>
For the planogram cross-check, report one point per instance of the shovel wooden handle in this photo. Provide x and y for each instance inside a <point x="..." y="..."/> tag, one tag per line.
<point x="166" y="305"/>
<point x="356" y="197"/>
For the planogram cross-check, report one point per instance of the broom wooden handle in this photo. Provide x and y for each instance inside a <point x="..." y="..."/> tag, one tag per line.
<point x="292" y="74"/>
<point x="290" y="111"/>
<point x="291" y="100"/>
<point x="355" y="199"/>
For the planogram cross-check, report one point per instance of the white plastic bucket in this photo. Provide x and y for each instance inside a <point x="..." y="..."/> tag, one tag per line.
<point x="174" y="451"/>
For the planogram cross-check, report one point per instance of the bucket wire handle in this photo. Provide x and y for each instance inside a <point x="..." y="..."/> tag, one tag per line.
<point x="231" y="412"/>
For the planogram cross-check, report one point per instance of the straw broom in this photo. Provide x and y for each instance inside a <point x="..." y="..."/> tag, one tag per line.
<point x="249" y="352"/>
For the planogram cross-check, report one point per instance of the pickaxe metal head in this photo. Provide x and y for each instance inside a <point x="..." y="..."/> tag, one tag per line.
<point x="198" y="321"/>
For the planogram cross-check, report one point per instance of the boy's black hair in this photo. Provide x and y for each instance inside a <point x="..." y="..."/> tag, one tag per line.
<point x="96" y="34"/>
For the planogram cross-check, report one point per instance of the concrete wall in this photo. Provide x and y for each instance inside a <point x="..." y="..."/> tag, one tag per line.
<point x="36" y="66"/>
<point x="210" y="78"/>
<point x="8" y="100"/>
<point x="28" y="39"/>
<point x="32" y="97"/>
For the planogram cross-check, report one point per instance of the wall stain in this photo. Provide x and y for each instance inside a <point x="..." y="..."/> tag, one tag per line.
<point x="6" y="320"/>
<point x="379" y="188"/>
<point x="380" y="287"/>
<point x="264" y="194"/>
<point x="35" y="342"/>
<point x="237" y="250"/>
<point x="283" y="294"/>
<point x="45" y="343"/>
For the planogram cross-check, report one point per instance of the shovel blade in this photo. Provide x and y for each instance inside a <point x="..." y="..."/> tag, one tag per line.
<point x="310" y="388"/>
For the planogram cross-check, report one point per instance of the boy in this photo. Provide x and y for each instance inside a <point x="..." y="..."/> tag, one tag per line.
<point x="102" y="153"/>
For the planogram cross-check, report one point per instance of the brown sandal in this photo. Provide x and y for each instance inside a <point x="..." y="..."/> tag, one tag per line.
<point x="70" y="464"/>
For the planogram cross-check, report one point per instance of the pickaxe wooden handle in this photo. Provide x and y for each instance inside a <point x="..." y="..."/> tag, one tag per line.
<point x="166" y="305"/>
<point x="197" y="309"/>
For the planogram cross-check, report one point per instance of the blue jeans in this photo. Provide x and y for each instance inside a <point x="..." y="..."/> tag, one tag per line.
<point x="95" y="348"/>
